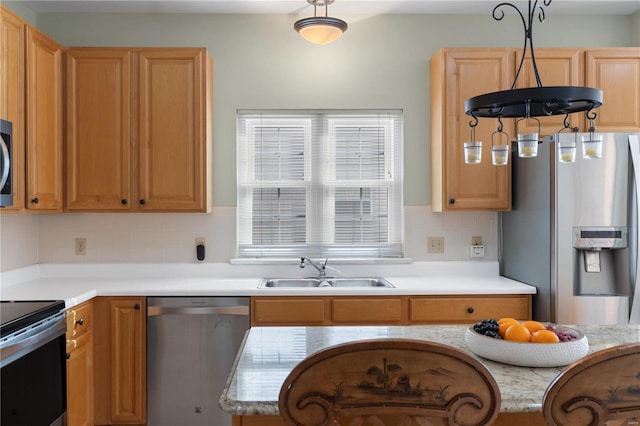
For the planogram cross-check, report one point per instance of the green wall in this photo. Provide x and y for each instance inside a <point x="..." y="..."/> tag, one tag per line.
<point x="381" y="62"/>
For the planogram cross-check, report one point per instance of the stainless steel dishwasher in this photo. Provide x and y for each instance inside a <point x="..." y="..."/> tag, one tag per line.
<point x="191" y="346"/>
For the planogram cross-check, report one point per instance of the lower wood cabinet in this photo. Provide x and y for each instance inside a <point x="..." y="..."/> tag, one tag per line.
<point x="385" y="310"/>
<point x="120" y="360"/>
<point x="80" y="365"/>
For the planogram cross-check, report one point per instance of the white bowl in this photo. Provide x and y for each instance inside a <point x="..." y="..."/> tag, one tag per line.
<point x="528" y="354"/>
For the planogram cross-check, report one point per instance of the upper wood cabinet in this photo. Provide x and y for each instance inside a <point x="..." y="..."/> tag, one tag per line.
<point x="98" y="166"/>
<point x="31" y="98"/>
<point x="617" y="73"/>
<point x="556" y="67"/>
<point x="456" y="75"/>
<point x="12" y="76"/>
<point x="160" y="159"/>
<point x="43" y="122"/>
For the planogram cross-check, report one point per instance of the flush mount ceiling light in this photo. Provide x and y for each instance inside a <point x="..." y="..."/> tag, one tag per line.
<point x="320" y="29"/>
<point x="536" y="101"/>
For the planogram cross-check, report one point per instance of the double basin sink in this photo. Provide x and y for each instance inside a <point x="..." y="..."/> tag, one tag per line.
<point x="320" y="282"/>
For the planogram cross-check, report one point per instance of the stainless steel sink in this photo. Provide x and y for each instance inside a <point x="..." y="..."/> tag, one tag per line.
<point x="324" y="282"/>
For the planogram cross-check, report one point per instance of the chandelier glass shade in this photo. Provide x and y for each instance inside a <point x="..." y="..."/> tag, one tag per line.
<point x="320" y="29"/>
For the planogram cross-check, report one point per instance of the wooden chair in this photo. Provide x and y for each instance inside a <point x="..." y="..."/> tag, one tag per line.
<point x="601" y="388"/>
<point x="402" y="380"/>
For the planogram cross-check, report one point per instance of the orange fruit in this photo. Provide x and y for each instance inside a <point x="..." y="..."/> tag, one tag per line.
<point x="504" y="325"/>
<point x="506" y="319"/>
<point x="533" y="326"/>
<point x="517" y="333"/>
<point x="544" y="336"/>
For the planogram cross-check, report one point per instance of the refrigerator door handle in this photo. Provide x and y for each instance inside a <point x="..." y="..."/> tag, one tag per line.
<point x="634" y="146"/>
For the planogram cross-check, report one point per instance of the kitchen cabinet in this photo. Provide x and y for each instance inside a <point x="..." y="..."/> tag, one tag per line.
<point x="43" y="122"/>
<point x="80" y="365"/>
<point x="148" y="148"/>
<point x="12" y="76"/>
<point x="31" y="81"/>
<point x="387" y="310"/>
<point x="556" y="67"/>
<point x="456" y="75"/>
<point x="120" y="360"/>
<point x="617" y="72"/>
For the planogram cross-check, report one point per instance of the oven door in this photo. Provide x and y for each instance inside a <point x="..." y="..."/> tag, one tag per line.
<point x="33" y="376"/>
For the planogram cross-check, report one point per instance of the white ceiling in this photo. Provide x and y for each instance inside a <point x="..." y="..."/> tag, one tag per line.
<point x="560" y="7"/>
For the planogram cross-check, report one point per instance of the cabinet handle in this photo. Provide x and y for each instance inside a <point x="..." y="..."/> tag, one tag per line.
<point x="124" y="201"/>
<point x="68" y="355"/>
<point x="142" y="201"/>
<point x="136" y="306"/>
<point x="470" y="309"/>
<point x="35" y="200"/>
<point x="80" y="321"/>
<point x="452" y="200"/>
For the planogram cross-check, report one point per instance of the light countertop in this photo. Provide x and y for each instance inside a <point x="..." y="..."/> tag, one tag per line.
<point x="268" y="355"/>
<point x="76" y="283"/>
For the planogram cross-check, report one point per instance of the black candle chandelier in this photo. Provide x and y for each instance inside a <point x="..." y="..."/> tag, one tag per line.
<point x="531" y="102"/>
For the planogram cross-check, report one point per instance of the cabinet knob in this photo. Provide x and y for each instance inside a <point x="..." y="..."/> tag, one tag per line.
<point x="470" y="309"/>
<point x="35" y="200"/>
<point x="142" y="201"/>
<point x="136" y="306"/>
<point x="124" y="201"/>
<point x="68" y="355"/>
<point x="80" y="321"/>
<point x="452" y="200"/>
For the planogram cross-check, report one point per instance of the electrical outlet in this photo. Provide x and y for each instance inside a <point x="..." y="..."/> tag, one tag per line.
<point x="200" y="241"/>
<point x="81" y="246"/>
<point x="435" y="244"/>
<point x="476" y="250"/>
<point x="476" y="241"/>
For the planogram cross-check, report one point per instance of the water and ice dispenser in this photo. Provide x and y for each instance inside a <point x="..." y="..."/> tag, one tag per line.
<point x="601" y="271"/>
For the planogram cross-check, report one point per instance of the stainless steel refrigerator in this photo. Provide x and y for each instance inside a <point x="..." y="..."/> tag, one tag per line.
<point x="573" y="231"/>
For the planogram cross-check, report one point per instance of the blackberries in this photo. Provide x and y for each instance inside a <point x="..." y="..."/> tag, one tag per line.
<point x="488" y="327"/>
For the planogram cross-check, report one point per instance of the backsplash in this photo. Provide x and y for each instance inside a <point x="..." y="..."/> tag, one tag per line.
<point x="170" y="237"/>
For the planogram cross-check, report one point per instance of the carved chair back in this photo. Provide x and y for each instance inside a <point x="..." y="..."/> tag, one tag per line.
<point x="601" y="388"/>
<point x="406" y="380"/>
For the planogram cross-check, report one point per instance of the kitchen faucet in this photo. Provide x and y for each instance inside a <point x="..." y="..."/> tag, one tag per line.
<point x="322" y="267"/>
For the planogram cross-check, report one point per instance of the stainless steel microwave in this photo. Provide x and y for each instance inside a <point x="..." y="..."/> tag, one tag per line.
<point x="6" y="179"/>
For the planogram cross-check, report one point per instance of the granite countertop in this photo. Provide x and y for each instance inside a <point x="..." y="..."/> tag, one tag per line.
<point x="268" y="354"/>
<point x="76" y="283"/>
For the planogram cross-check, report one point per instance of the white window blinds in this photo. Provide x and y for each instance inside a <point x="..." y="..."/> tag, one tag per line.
<point x="320" y="183"/>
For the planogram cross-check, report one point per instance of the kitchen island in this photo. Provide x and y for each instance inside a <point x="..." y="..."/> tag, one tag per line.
<point x="268" y="354"/>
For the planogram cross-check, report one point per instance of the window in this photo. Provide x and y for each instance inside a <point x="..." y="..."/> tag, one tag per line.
<point x="321" y="183"/>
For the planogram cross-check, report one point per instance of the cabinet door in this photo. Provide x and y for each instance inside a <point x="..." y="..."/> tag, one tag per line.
<point x="44" y="122"/>
<point x="12" y="96"/>
<point x="367" y="310"/>
<point x="174" y="86"/>
<point x="617" y="72"/>
<point x="120" y="360"/>
<point x="556" y="67"/>
<point x="462" y="74"/>
<point x="80" y="381"/>
<point x="98" y="129"/>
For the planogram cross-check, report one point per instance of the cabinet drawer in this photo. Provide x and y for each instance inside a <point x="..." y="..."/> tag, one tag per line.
<point x="79" y="320"/>
<point x="366" y="310"/>
<point x="288" y="311"/>
<point x="468" y="309"/>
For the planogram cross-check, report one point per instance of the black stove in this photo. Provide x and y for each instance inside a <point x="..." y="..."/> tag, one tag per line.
<point x="18" y="314"/>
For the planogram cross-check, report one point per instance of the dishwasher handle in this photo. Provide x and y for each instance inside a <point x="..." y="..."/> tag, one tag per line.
<point x="200" y="310"/>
